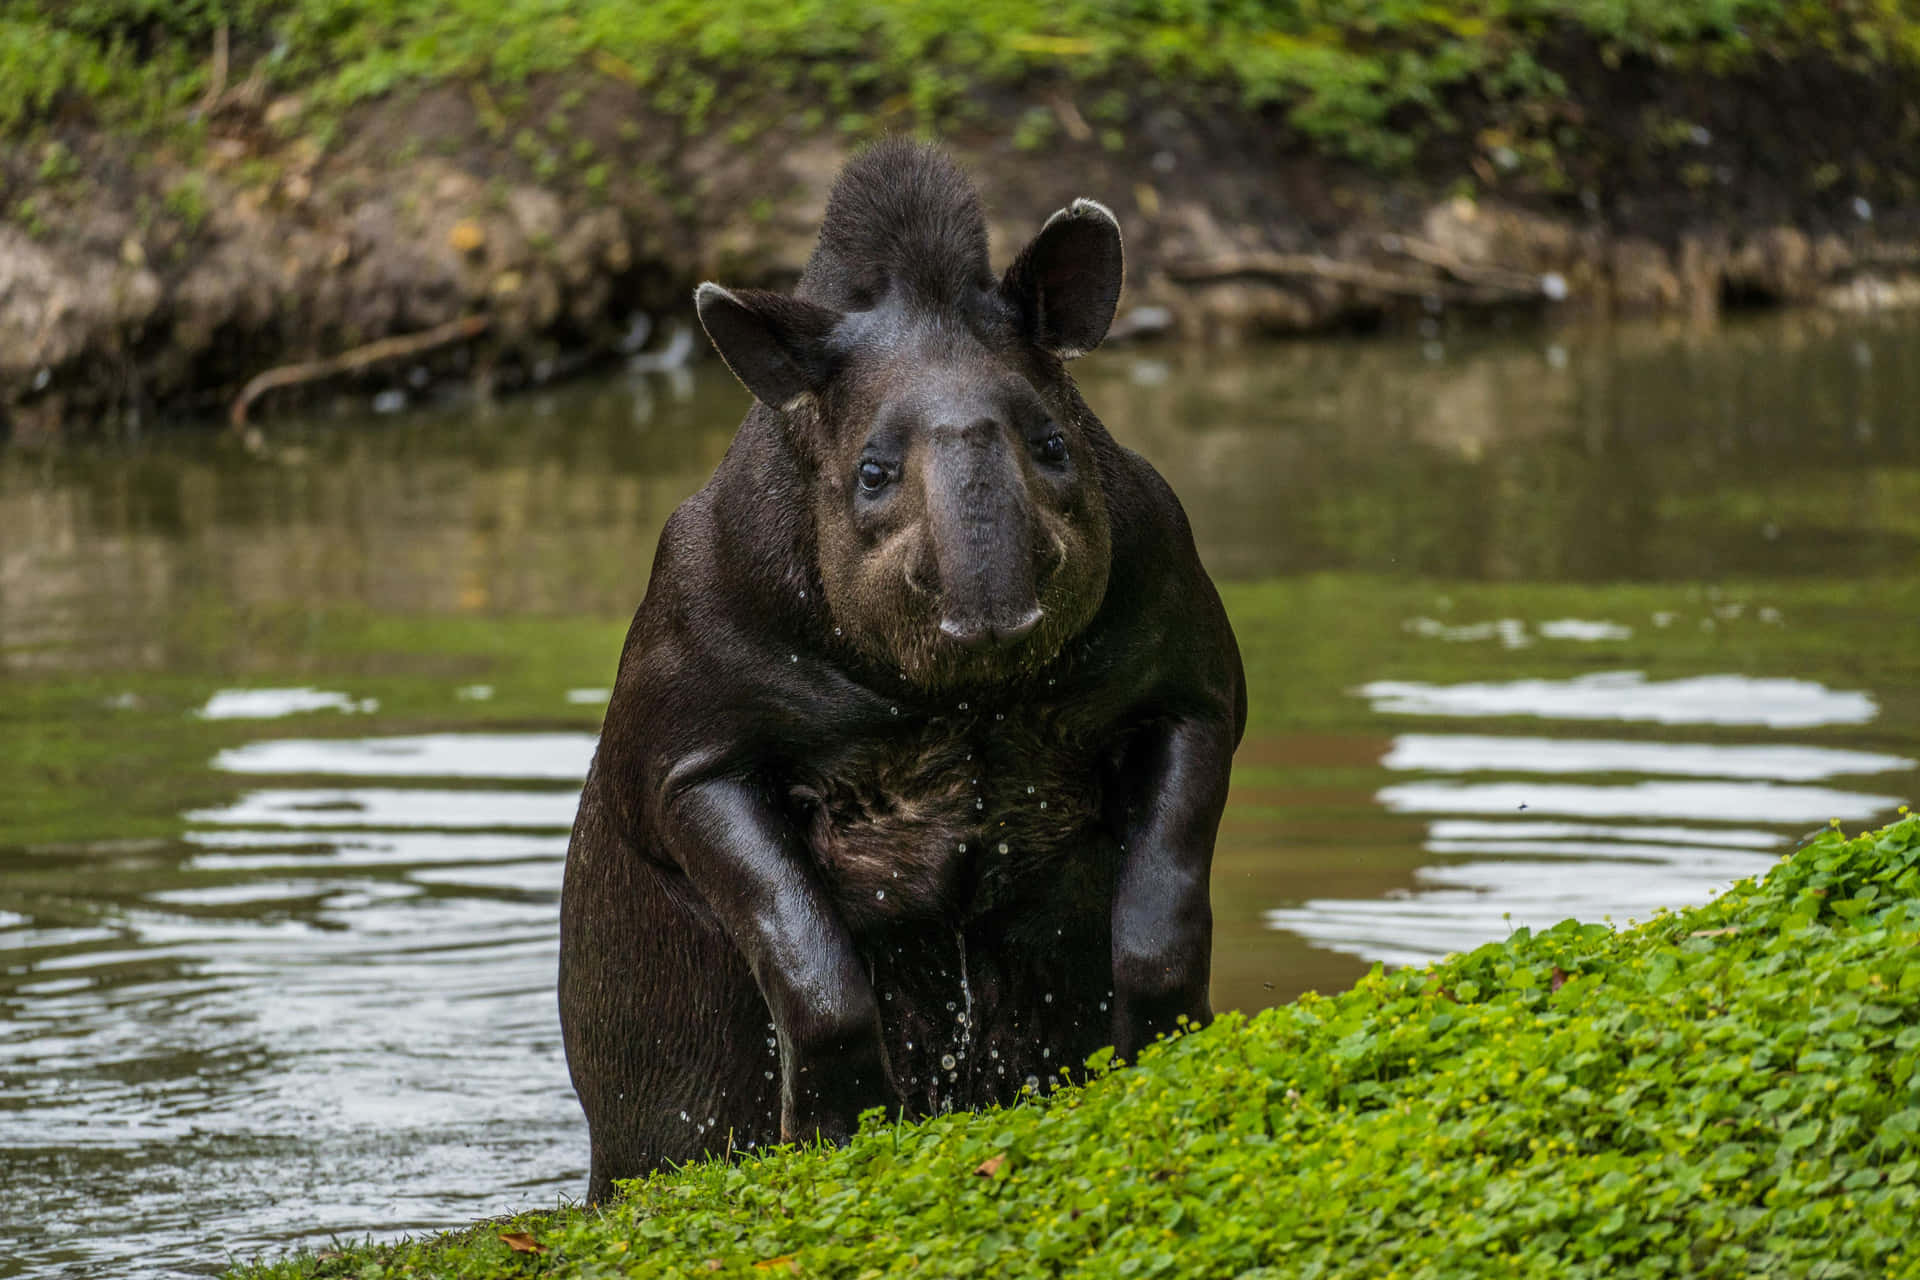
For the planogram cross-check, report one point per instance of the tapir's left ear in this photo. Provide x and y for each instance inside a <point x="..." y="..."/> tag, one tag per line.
<point x="1066" y="282"/>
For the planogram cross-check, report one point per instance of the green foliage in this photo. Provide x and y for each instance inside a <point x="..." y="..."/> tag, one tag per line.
<point x="1366" y="77"/>
<point x="1731" y="1090"/>
<point x="186" y="200"/>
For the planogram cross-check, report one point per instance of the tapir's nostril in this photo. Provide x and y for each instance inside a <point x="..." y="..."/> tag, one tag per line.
<point x="982" y="634"/>
<point x="1021" y="626"/>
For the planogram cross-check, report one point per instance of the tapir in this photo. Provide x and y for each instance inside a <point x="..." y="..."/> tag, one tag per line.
<point x="907" y="792"/>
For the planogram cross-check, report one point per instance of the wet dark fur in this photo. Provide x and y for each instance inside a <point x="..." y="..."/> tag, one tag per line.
<point x="823" y="862"/>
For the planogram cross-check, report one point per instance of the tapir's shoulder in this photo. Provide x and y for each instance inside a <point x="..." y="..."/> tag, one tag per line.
<point x="1161" y="608"/>
<point x="1152" y="538"/>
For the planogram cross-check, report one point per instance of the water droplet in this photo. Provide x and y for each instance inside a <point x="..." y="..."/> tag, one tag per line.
<point x="793" y="657"/>
<point x="1049" y="997"/>
<point x="683" y="1115"/>
<point x="893" y="711"/>
<point x="979" y="804"/>
<point x="947" y="1061"/>
<point x="1003" y="846"/>
<point x="769" y="1075"/>
<point x="951" y="1006"/>
<point x="1049" y="682"/>
<point x="770" y="1042"/>
<point x="1043" y="804"/>
<point x="836" y="631"/>
<point x="909" y="1044"/>
<point x="1103" y="1006"/>
<point x="710" y="1122"/>
<point x="1033" y="1084"/>
<point x="963" y="706"/>
<point x="1046" y="1053"/>
<point x="963" y="848"/>
<point x="879" y="893"/>
<point x="998" y="716"/>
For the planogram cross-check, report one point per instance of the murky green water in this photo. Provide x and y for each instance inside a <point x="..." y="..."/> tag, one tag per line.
<point x="1535" y="626"/>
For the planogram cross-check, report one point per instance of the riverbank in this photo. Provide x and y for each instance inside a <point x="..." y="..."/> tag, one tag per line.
<point x="189" y="203"/>
<point x="1730" y="1089"/>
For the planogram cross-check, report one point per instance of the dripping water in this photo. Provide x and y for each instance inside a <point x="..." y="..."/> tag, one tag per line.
<point x="966" y="996"/>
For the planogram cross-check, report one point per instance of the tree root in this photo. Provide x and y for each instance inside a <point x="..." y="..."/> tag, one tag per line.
<point x="1479" y="286"/>
<point x="294" y="375"/>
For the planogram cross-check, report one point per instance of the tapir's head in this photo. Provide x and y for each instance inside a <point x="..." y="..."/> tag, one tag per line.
<point x="961" y="530"/>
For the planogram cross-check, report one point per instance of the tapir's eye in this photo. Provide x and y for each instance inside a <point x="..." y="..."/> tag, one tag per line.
<point x="1054" y="448"/>
<point x="873" y="476"/>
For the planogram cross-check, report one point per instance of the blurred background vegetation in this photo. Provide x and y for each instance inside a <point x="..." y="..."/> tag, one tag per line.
<point x="1368" y="79"/>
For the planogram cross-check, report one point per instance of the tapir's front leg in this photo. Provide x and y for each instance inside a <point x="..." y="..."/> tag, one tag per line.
<point x="749" y="864"/>
<point x="1175" y="776"/>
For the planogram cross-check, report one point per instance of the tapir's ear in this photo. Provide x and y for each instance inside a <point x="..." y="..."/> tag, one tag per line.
<point x="779" y="346"/>
<point x="1066" y="282"/>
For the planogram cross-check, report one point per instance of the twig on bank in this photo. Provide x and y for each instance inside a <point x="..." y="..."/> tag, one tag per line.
<point x="293" y="375"/>
<point x="1293" y="266"/>
<point x="217" y="86"/>
<point x="1489" y="277"/>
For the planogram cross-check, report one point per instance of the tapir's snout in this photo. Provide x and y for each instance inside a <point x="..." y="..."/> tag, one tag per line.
<point x="980" y="519"/>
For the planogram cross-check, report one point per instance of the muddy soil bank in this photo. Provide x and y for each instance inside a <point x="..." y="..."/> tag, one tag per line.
<point x="138" y="284"/>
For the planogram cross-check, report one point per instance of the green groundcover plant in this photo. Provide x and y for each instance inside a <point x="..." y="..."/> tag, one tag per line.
<point x="1729" y="1090"/>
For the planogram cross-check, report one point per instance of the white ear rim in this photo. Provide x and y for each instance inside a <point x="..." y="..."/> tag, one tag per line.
<point x="706" y="294"/>
<point x="1084" y="207"/>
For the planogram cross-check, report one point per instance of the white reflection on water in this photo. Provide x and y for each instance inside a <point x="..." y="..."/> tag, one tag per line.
<point x="322" y="808"/>
<point x="1477" y="753"/>
<point x="1584" y="629"/>
<point x="1468" y="829"/>
<point x="1705" y="801"/>
<point x="1628" y="695"/>
<point x="271" y="704"/>
<point x="1623" y="855"/>
<point x="1512" y="632"/>
<point x="277" y="850"/>
<point x="560" y="757"/>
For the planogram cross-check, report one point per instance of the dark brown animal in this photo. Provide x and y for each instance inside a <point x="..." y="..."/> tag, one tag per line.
<point x="907" y="793"/>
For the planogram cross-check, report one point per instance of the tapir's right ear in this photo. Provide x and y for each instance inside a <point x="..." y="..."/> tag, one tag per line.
<point x="778" y="346"/>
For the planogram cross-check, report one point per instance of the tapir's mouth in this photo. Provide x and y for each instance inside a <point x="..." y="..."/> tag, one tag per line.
<point x="1001" y="632"/>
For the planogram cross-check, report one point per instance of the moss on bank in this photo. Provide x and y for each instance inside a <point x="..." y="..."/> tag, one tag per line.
<point x="1365" y="78"/>
<point x="1728" y="1090"/>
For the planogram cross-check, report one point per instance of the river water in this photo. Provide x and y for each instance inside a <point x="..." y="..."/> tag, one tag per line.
<point x="1536" y="625"/>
